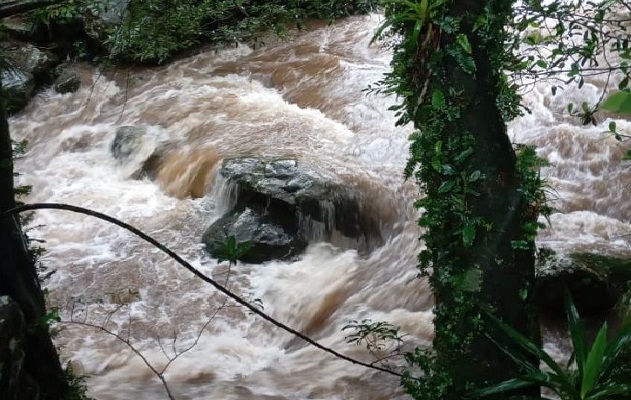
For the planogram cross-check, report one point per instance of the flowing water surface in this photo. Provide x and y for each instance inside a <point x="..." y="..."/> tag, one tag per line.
<point x="300" y="99"/>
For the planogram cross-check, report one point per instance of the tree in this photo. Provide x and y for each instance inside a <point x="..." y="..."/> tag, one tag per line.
<point x="40" y="373"/>
<point x="480" y="200"/>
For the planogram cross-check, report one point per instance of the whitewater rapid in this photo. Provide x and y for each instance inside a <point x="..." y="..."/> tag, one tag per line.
<point x="304" y="99"/>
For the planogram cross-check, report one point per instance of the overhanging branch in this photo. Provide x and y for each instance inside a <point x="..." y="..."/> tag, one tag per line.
<point x="11" y="8"/>
<point x="253" y="308"/>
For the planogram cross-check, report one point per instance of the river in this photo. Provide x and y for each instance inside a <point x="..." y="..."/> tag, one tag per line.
<point x="302" y="98"/>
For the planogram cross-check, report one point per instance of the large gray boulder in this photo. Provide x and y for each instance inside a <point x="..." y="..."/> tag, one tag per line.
<point x="268" y="239"/>
<point x="291" y="190"/>
<point x="17" y="27"/>
<point x="282" y="204"/>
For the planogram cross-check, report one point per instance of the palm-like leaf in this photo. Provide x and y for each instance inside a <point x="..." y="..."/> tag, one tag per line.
<point x="588" y="380"/>
<point x="594" y="362"/>
<point x="407" y="11"/>
<point x="577" y="333"/>
<point x="230" y="250"/>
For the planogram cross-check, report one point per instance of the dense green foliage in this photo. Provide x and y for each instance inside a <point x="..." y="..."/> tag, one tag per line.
<point x="154" y="30"/>
<point x="447" y="70"/>
<point x="599" y="371"/>
<point x="76" y="383"/>
<point x="571" y="41"/>
<point x="563" y="41"/>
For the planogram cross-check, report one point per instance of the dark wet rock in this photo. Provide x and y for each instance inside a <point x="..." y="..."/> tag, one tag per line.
<point x="14" y="382"/>
<point x="290" y="191"/>
<point x="109" y="15"/>
<point x="17" y="27"/>
<point x="269" y="240"/>
<point x="139" y="149"/>
<point x="596" y="282"/>
<point x="28" y="67"/>
<point x="301" y="203"/>
<point x="67" y="81"/>
<point x="33" y="60"/>
<point x="18" y="86"/>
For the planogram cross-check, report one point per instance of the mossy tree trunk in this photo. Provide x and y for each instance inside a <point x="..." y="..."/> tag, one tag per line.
<point x="477" y="212"/>
<point x="18" y="279"/>
<point x="507" y="271"/>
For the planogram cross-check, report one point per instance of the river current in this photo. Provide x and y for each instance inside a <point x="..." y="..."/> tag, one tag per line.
<point x="302" y="99"/>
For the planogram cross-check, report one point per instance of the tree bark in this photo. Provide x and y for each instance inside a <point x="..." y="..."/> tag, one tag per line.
<point x="506" y="273"/>
<point x="18" y="280"/>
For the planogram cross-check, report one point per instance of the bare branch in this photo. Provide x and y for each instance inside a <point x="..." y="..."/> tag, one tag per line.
<point x="253" y="308"/>
<point x="144" y="359"/>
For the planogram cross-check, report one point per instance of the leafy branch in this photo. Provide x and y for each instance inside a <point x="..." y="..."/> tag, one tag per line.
<point x="378" y="336"/>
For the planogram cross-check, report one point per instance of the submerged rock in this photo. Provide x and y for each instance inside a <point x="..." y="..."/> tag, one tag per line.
<point x="596" y="282"/>
<point x="269" y="240"/>
<point x="140" y="149"/>
<point x="127" y="141"/>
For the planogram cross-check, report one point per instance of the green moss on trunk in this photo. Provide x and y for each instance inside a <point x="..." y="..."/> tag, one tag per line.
<point x="480" y="201"/>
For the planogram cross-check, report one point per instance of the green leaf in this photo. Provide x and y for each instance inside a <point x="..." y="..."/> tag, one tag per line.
<point x="463" y="41"/>
<point x="502" y="387"/>
<point x="475" y="175"/>
<point x="468" y="234"/>
<point x="480" y="21"/>
<point x="230" y="250"/>
<point x="594" y="361"/>
<point x="463" y="156"/>
<point x="534" y="349"/>
<point x="446" y="187"/>
<point x="617" y="346"/>
<point x="438" y="100"/>
<point x="437" y="165"/>
<point x="616" y="389"/>
<point x="577" y="333"/>
<point x="470" y="280"/>
<point x="417" y="30"/>
<point x="619" y="102"/>
<point x="448" y="170"/>
<point x="612" y="127"/>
